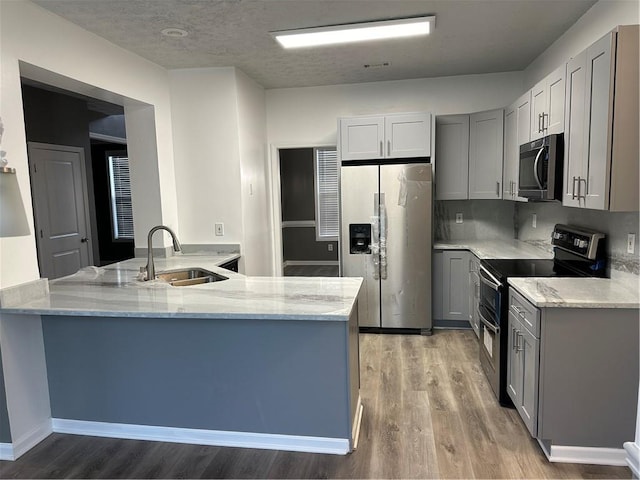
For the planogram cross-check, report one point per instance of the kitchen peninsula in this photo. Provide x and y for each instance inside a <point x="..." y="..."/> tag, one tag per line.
<point x="255" y="362"/>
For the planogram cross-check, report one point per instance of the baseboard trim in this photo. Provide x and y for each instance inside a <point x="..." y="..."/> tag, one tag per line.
<point x="294" y="443"/>
<point x="615" y="457"/>
<point x="633" y="457"/>
<point x="30" y="440"/>
<point x="6" y="451"/>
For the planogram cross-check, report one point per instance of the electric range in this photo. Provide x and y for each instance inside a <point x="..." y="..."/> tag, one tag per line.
<point x="577" y="253"/>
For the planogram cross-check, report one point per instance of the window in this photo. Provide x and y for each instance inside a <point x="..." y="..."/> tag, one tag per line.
<point x="120" y="193"/>
<point x="327" y="204"/>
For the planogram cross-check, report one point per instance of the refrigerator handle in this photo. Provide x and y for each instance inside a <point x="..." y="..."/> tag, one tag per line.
<point x="375" y="245"/>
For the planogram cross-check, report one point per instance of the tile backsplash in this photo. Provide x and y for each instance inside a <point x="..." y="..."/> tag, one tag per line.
<point x="616" y="225"/>
<point x="490" y="219"/>
<point x="481" y="219"/>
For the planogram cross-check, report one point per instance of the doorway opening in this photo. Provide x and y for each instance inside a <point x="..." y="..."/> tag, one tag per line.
<point x="59" y="125"/>
<point x="309" y="208"/>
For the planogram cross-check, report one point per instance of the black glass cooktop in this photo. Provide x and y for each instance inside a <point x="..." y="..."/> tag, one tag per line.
<point x="505" y="268"/>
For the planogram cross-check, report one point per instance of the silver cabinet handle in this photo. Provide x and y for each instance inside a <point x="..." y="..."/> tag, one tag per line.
<point x="543" y="126"/>
<point x="539" y="124"/>
<point x="381" y="149"/>
<point x="388" y="148"/>
<point x="578" y="189"/>
<point x="584" y="196"/>
<point x="519" y="344"/>
<point x="513" y="339"/>
<point x="573" y="189"/>
<point x="497" y="189"/>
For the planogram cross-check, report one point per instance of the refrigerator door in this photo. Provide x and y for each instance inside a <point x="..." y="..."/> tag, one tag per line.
<point x="405" y="245"/>
<point x="359" y="192"/>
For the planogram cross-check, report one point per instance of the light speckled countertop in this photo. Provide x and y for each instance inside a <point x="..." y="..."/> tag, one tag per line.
<point x="485" y="249"/>
<point x="554" y="292"/>
<point x="115" y="291"/>
<point x="579" y="292"/>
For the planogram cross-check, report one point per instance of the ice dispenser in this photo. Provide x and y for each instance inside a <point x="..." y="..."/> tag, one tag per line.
<point x="360" y="238"/>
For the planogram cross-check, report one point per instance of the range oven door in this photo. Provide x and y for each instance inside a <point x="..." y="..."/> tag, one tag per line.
<point x="490" y="347"/>
<point x="490" y="295"/>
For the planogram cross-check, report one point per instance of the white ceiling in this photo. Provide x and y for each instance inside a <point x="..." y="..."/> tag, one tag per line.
<point x="470" y="37"/>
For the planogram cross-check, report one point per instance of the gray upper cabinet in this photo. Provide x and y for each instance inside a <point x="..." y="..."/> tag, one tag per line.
<point x="452" y="157"/>
<point x="392" y="136"/>
<point x="601" y="167"/>
<point x="516" y="133"/>
<point x="548" y="105"/>
<point x="485" y="154"/>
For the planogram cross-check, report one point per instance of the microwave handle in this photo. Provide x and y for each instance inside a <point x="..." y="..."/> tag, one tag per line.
<point x="535" y="168"/>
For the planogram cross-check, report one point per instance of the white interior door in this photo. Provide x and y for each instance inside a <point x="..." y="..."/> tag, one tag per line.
<point x="58" y="186"/>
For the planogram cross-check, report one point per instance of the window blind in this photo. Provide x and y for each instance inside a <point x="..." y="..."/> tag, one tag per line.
<point x="121" y="207"/>
<point x="327" y="205"/>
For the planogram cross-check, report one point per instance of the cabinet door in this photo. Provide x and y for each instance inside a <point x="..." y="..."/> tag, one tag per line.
<point x="554" y="111"/>
<point x="452" y="157"/>
<point x="408" y="135"/>
<point x="598" y="121"/>
<point x="523" y="125"/>
<point x="511" y="153"/>
<point x="574" y="129"/>
<point x="474" y="293"/>
<point x="529" y="351"/>
<point x="437" y="275"/>
<point x="538" y="106"/>
<point x="514" y="368"/>
<point x="361" y="138"/>
<point x="455" y="285"/>
<point x="485" y="154"/>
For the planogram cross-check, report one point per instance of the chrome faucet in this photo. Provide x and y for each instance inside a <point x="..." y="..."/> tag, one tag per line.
<point x="150" y="269"/>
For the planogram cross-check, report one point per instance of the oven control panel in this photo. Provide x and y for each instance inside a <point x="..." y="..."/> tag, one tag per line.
<point x="576" y="240"/>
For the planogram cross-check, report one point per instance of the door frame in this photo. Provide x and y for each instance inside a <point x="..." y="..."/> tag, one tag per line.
<point x="85" y="195"/>
<point x="275" y="204"/>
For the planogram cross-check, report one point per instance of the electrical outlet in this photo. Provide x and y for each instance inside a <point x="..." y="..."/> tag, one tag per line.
<point x="219" y="229"/>
<point x="458" y="217"/>
<point x="534" y="220"/>
<point x="330" y="247"/>
<point x="631" y="243"/>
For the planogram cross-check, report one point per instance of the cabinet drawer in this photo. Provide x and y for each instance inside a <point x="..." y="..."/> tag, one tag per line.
<point x="527" y="313"/>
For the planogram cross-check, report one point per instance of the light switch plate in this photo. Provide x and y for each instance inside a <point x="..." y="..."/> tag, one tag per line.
<point x="330" y="247"/>
<point x="219" y="229"/>
<point x="458" y="217"/>
<point x="631" y="243"/>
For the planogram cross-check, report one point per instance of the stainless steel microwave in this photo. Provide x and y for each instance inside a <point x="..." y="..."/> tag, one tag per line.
<point x="540" y="169"/>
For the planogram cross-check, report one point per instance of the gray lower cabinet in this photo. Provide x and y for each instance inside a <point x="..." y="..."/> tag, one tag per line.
<point x="573" y="374"/>
<point x="474" y="293"/>
<point x="451" y="288"/>
<point x="522" y="372"/>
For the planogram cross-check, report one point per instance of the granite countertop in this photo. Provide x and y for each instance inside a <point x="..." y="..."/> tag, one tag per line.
<point x="487" y="249"/>
<point x="554" y="292"/>
<point x="114" y="290"/>
<point x="579" y="292"/>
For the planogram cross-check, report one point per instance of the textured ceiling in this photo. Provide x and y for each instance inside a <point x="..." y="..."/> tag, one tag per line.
<point x="470" y="37"/>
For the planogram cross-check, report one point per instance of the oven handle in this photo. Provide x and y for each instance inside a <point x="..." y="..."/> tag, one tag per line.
<point x="535" y="168"/>
<point x="488" y="279"/>
<point x="487" y="323"/>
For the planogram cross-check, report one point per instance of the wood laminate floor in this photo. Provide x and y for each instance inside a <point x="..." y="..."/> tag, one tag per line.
<point x="429" y="413"/>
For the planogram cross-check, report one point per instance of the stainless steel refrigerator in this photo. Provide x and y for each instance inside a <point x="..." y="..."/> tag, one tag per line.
<point x="386" y="214"/>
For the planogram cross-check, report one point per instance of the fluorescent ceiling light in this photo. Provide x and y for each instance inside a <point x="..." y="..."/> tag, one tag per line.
<point x="355" y="32"/>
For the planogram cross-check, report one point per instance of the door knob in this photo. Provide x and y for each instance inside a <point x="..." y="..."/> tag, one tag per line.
<point x="84" y="240"/>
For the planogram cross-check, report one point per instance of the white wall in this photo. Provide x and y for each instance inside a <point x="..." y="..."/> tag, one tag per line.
<point x="600" y="19"/>
<point x="308" y="116"/>
<point x="252" y="137"/>
<point x="207" y="156"/>
<point x="32" y="35"/>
